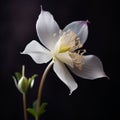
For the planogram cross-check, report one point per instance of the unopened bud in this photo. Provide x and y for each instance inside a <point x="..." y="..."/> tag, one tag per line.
<point x="23" y="84"/>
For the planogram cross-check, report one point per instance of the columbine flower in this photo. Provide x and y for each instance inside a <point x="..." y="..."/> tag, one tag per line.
<point x="64" y="47"/>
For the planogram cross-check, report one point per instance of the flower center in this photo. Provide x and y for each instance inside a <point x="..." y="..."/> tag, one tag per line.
<point x="70" y="42"/>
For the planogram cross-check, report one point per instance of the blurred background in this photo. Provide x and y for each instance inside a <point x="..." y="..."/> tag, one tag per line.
<point x="93" y="100"/>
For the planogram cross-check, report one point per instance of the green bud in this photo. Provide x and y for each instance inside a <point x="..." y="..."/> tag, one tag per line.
<point x="23" y="84"/>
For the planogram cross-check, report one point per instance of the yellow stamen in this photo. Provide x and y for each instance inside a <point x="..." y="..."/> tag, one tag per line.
<point x="77" y="58"/>
<point x="64" y="49"/>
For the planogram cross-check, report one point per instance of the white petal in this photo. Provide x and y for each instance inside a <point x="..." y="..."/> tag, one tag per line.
<point x="38" y="53"/>
<point x="80" y="28"/>
<point x="64" y="75"/>
<point x="91" y="69"/>
<point x="47" y="29"/>
<point x="65" y="58"/>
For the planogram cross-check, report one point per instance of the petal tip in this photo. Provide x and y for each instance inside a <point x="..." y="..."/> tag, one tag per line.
<point x="72" y="90"/>
<point x="85" y="22"/>
<point x="22" y="52"/>
<point x="41" y="8"/>
<point x="103" y="75"/>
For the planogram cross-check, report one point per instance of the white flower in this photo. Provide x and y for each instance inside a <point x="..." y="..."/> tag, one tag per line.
<point x="64" y="47"/>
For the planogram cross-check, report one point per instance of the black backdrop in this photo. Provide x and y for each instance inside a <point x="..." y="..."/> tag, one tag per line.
<point x="93" y="100"/>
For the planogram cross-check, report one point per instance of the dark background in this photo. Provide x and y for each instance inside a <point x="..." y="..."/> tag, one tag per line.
<point x="93" y="100"/>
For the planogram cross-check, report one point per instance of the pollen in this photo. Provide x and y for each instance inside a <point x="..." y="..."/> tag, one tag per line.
<point x="69" y="38"/>
<point x="75" y="42"/>
<point x="77" y="58"/>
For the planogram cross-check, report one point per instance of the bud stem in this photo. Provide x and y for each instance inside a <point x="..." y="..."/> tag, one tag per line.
<point x="24" y="106"/>
<point x="23" y="70"/>
<point x="24" y="96"/>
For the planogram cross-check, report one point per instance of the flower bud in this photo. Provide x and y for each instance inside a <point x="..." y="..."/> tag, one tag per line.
<point x="23" y="84"/>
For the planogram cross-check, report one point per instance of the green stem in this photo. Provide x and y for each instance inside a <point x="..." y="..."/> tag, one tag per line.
<point x="23" y="70"/>
<point x="24" y="106"/>
<point x="41" y="86"/>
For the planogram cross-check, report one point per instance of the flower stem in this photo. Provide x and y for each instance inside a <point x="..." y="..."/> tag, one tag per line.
<point x="41" y="86"/>
<point x="24" y="106"/>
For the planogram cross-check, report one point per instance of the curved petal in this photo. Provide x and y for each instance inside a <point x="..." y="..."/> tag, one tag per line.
<point x="47" y="29"/>
<point x="38" y="53"/>
<point x="65" y="58"/>
<point x="80" y="28"/>
<point x="92" y="68"/>
<point x="64" y="75"/>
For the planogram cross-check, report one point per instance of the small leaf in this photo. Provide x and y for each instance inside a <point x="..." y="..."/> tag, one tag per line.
<point x="42" y="109"/>
<point x="15" y="81"/>
<point x="31" y="80"/>
<point x="35" y="105"/>
<point x="32" y="112"/>
<point x="18" y="75"/>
